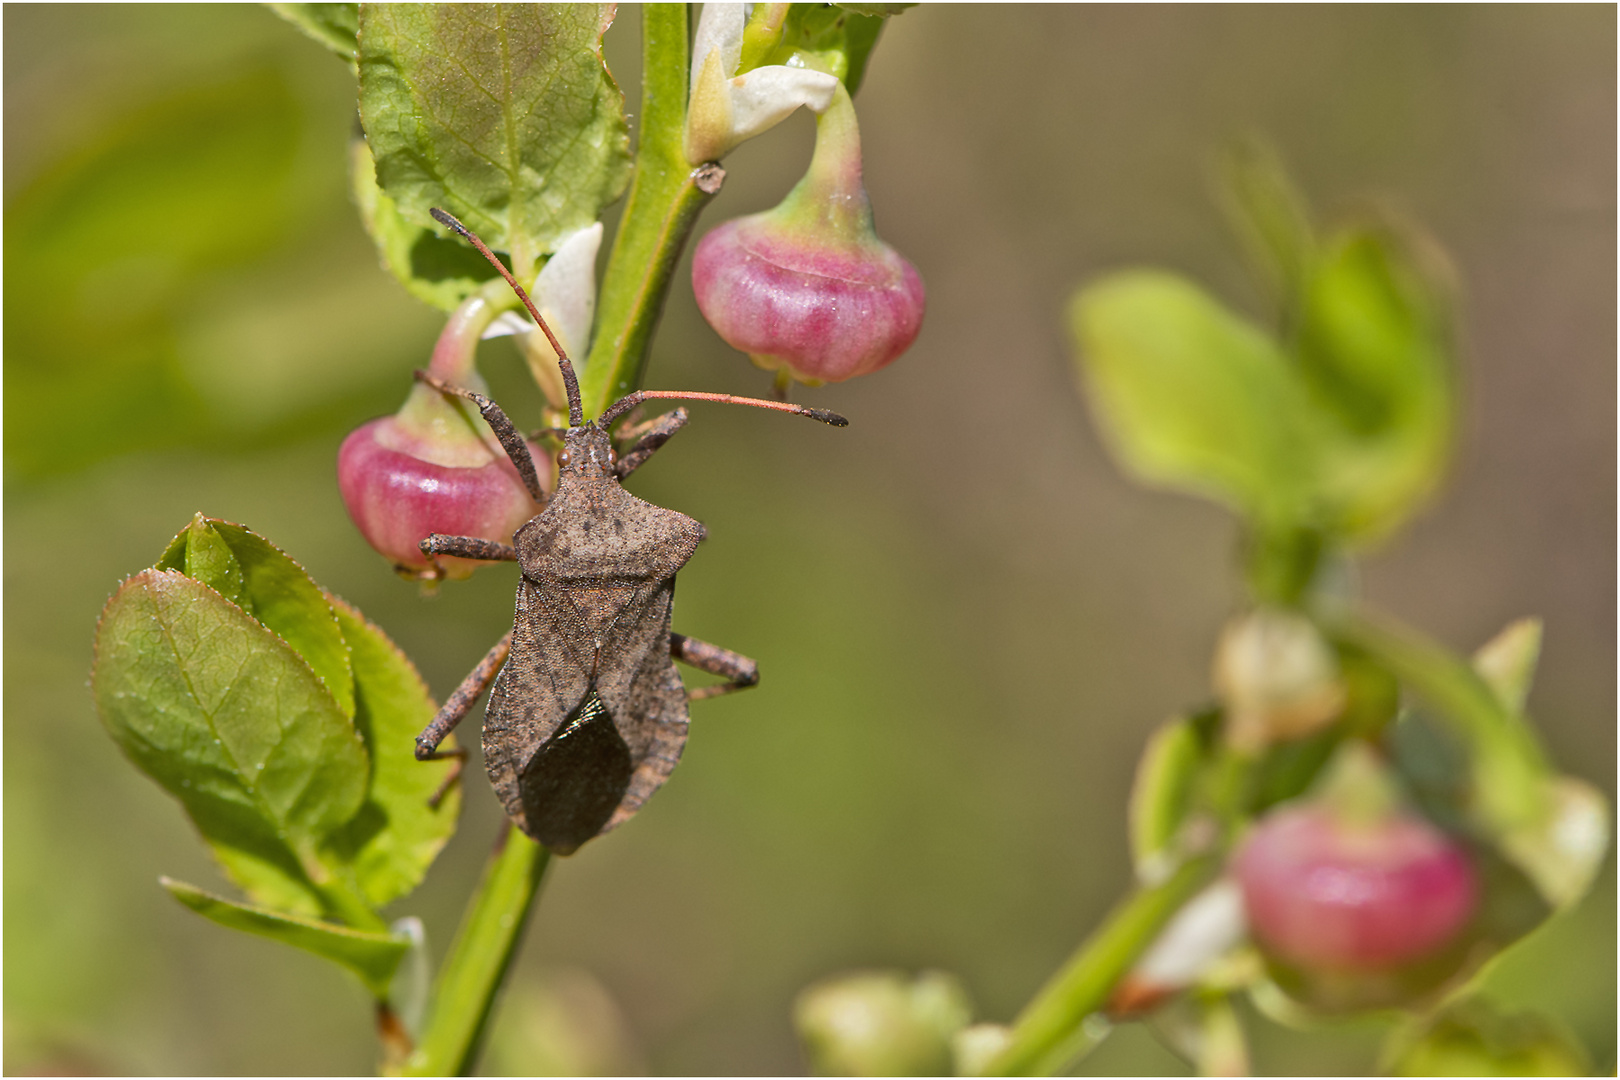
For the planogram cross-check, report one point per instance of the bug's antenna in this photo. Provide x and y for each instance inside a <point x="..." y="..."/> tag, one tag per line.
<point x="576" y="411"/>
<point x="630" y="401"/>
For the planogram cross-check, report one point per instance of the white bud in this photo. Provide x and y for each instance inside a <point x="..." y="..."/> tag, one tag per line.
<point x="1277" y="678"/>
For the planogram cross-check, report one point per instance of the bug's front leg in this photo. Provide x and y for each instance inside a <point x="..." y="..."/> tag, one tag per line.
<point x="455" y="709"/>
<point x="648" y="438"/>
<point x="739" y="670"/>
<point x="505" y="432"/>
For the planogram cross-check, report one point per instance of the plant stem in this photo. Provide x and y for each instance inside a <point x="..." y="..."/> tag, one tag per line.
<point x="482" y="951"/>
<point x="663" y="205"/>
<point x="1081" y="987"/>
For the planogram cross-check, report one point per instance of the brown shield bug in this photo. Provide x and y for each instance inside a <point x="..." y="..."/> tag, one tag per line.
<point x="587" y="715"/>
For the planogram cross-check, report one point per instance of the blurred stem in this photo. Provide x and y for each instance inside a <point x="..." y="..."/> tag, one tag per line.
<point x="1043" y="1033"/>
<point x="1282" y="564"/>
<point x="479" y="957"/>
<point x="1222" y="1048"/>
<point x="663" y="206"/>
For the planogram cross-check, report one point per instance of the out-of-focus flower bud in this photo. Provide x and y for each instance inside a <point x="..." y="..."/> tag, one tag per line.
<point x="880" y="1023"/>
<point x="808" y="290"/>
<point x="726" y="108"/>
<point x="435" y="466"/>
<point x="1276" y="677"/>
<point x="975" y="1046"/>
<point x="1349" y="886"/>
<point x="1196" y="939"/>
<point x="562" y="1022"/>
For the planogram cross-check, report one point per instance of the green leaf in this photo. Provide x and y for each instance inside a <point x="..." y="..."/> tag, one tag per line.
<point x="1193" y="397"/>
<point x="1472" y="1038"/>
<point x="396" y="835"/>
<point x="441" y="271"/>
<point x="337" y="26"/>
<point x="372" y="956"/>
<point x="272" y="589"/>
<point x="1375" y="358"/>
<point x="504" y="115"/>
<point x="1271" y="220"/>
<point x="1166" y="780"/>
<point x="202" y="554"/>
<point x="1508" y="773"/>
<point x="225" y="716"/>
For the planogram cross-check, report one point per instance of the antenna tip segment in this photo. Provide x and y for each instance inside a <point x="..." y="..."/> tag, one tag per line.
<point x="448" y="220"/>
<point x="826" y="416"/>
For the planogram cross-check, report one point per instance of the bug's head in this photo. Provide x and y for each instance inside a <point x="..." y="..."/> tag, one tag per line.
<point x="587" y="454"/>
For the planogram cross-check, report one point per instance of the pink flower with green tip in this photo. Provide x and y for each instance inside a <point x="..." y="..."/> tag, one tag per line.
<point x="435" y="466"/>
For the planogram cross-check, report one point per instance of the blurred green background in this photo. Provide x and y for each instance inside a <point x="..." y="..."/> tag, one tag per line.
<point x="966" y="620"/>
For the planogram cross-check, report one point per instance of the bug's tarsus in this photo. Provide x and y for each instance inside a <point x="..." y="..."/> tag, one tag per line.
<point x="505" y="431"/>
<point x="576" y="411"/>
<point x="452" y="778"/>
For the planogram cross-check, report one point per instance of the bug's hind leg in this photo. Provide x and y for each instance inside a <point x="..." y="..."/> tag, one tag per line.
<point x="739" y="671"/>
<point x="455" y="709"/>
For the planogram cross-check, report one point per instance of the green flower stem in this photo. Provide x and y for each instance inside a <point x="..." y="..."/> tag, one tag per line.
<point x="483" y="950"/>
<point x="658" y="217"/>
<point x="1043" y="1033"/>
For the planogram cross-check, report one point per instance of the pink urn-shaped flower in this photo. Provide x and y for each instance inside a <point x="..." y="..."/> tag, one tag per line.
<point x="434" y="466"/>
<point x="1351" y="889"/>
<point x="808" y="290"/>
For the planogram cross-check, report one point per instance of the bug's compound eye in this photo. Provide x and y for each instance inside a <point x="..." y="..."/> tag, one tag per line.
<point x="613" y="455"/>
<point x="564" y="459"/>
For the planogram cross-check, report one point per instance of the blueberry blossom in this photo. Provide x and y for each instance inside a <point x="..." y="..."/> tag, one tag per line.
<point x="435" y="466"/>
<point x="808" y="290"/>
<point x="1350" y="888"/>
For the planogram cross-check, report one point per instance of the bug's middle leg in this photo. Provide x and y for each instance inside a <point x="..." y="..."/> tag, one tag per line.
<point x="739" y="671"/>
